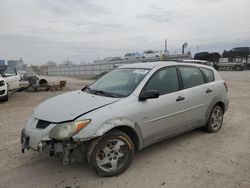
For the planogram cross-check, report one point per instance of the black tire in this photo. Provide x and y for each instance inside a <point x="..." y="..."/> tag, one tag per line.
<point x="103" y="149"/>
<point x="5" y="98"/>
<point x="215" y="121"/>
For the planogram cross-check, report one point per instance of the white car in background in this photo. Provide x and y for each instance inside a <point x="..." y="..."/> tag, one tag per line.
<point x="9" y="81"/>
<point x="132" y="56"/>
<point x="150" y="54"/>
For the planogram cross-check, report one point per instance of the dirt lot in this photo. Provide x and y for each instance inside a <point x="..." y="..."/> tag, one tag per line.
<point x="195" y="159"/>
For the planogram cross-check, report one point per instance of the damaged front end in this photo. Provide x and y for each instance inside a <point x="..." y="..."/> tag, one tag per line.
<point x="55" y="140"/>
<point x="69" y="151"/>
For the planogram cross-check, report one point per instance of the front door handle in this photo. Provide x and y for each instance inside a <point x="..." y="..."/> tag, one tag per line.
<point x="180" y="98"/>
<point x="209" y="90"/>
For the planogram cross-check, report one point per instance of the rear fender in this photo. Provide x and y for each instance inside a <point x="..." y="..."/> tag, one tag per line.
<point x="215" y="100"/>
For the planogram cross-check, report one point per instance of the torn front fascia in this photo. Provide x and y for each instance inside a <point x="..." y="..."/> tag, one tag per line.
<point x="70" y="151"/>
<point x="24" y="141"/>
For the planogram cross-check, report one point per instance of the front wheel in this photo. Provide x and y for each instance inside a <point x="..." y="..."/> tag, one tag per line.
<point x="111" y="154"/>
<point x="215" y="120"/>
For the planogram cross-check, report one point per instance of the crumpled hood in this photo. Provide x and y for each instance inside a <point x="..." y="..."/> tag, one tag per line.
<point x="70" y="105"/>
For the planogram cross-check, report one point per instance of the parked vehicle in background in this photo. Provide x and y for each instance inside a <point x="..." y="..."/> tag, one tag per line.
<point x="237" y="52"/>
<point x="11" y="77"/>
<point x="126" y="110"/>
<point x="231" y="63"/>
<point x="112" y="59"/>
<point x="132" y="56"/>
<point x="150" y="54"/>
<point x="3" y="89"/>
<point x="206" y="56"/>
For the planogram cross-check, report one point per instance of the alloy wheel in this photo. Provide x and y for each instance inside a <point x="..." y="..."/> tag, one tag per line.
<point x="112" y="156"/>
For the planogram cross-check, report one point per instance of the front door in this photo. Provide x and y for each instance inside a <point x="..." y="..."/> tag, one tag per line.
<point x="164" y="116"/>
<point x="12" y="78"/>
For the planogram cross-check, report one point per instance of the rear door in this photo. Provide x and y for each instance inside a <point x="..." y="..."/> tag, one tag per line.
<point x="198" y="92"/>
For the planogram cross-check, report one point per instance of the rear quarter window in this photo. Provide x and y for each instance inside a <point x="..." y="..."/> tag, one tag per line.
<point x="209" y="74"/>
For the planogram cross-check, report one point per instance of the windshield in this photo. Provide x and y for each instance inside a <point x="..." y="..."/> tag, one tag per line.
<point x="118" y="83"/>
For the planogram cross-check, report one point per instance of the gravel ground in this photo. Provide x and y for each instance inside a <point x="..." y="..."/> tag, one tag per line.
<point x="195" y="159"/>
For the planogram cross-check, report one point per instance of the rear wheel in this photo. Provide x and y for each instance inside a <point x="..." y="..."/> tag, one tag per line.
<point x="215" y="120"/>
<point x="111" y="154"/>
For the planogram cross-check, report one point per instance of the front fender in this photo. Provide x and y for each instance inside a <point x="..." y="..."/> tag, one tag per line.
<point x="118" y="122"/>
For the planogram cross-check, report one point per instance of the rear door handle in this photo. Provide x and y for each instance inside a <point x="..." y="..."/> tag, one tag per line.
<point x="209" y="90"/>
<point x="180" y="98"/>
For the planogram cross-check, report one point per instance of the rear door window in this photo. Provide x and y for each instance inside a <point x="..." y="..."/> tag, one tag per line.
<point x="209" y="74"/>
<point x="191" y="76"/>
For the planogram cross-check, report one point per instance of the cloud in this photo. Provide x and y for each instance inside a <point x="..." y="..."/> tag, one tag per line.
<point x="160" y="15"/>
<point x="164" y="16"/>
<point x="67" y="7"/>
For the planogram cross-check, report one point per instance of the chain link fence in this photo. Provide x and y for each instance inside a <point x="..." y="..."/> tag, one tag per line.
<point x="92" y="71"/>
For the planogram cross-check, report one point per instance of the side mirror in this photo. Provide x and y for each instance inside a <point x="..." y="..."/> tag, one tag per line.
<point x="150" y="94"/>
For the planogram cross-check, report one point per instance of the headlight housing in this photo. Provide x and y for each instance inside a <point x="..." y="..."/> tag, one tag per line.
<point x="2" y="83"/>
<point x="65" y="131"/>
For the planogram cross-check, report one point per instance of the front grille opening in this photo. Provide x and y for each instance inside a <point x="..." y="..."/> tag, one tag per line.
<point x="42" y="124"/>
<point x="2" y="92"/>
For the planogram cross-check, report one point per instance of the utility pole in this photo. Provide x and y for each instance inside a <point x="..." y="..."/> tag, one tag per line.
<point x="197" y="48"/>
<point x="183" y="47"/>
<point x="166" y="46"/>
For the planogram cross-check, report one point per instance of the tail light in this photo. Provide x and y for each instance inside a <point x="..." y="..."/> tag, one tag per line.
<point x="225" y="84"/>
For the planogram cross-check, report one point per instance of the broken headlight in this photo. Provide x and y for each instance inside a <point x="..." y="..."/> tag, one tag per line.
<point x="65" y="131"/>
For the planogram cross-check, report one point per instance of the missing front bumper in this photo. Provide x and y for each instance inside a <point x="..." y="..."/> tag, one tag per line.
<point x="69" y="151"/>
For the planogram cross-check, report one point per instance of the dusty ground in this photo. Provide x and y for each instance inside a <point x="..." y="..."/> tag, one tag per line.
<point x="195" y="159"/>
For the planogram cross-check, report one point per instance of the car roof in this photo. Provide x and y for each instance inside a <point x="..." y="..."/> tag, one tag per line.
<point x="159" y="64"/>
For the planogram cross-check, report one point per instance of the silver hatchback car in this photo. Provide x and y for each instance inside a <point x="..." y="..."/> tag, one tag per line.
<point x="126" y="110"/>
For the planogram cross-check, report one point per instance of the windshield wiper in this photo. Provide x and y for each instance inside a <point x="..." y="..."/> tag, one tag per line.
<point x="103" y="93"/>
<point x="108" y="94"/>
<point x="88" y="90"/>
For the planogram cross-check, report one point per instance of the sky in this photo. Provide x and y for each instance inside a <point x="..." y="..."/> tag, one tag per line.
<point x="83" y="30"/>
